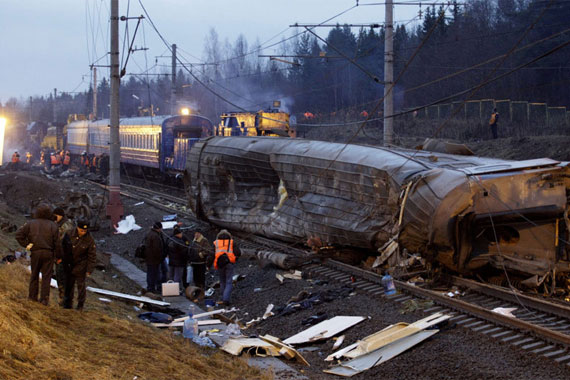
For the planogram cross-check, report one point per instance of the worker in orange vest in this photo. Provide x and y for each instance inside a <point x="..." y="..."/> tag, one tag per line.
<point x="66" y="161"/>
<point x="28" y="158"/>
<point x="15" y="158"/>
<point x="53" y="159"/>
<point x="225" y="255"/>
<point x="94" y="164"/>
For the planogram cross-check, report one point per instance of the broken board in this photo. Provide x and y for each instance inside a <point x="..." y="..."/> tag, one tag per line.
<point x="324" y="330"/>
<point x="285" y="350"/>
<point x="206" y="322"/>
<point x="127" y="296"/>
<point x="257" y="346"/>
<point x="379" y="356"/>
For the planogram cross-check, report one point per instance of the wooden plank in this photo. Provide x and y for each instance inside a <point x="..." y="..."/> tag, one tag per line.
<point x="324" y="330"/>
<point x="127" y="296"/>
<point x="205" y="314"/>
<point x="285" y="350"/>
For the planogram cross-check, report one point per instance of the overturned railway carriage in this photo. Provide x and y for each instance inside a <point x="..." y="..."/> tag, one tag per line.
<point x="160" y="142"/>
<point x="464" y="212"/>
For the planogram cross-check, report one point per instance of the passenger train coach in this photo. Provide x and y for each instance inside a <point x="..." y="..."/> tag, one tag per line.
<point x="154" y="143"/>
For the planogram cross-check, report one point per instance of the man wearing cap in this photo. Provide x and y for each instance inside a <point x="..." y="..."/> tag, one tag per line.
<point x="202" y="256"/>
<point x="64" y="226"/>
<point x="178" y="247"/>
<point x="224" y="259"/>
<point x="42" y="234"/>
<point x="84" y="258"/>
<point x="154" y="249"/>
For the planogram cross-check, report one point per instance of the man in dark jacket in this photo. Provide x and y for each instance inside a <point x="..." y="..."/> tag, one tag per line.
<point x="42" y="233"/>
<point x="202" y="255"/>
<point x="64" y="226"/>
<point x="154" y="250"/>
<point x="83" y="259"/>
<point x="178" y="248"/>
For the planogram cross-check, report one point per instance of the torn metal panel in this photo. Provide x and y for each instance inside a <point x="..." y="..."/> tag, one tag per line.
<point x="256" y="346"/>
<point x="381" y="355"/>
<point x="324" y="330"/>
<point x="351" y="195"/>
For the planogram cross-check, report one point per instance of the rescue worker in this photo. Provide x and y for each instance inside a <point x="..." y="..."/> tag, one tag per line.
<point x="53" y="160"/>
<point x="178" y="248"/>
<point x="200" y="259"/>
<point x="104" y="165"/>
<point x="83" y="259"/>
<point x="224" y="259"/>
<point x="42" y="158"/>
<point x="64" y="226"/>
<point x="493" y="123"/>
<point x="42" y="234"/>
<point x="15" y="157"/>
<point x="93" y="163"/>
<point x="28" y="158"/>
<point x="66" y="161"/>
<point x="154" y="250"/>
<point x="83" y="162"/>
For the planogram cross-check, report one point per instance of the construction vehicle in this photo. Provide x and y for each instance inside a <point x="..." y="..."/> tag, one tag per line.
<point x="260" y="123"/>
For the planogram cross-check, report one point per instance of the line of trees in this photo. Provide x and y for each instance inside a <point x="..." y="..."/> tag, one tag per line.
<point x="319" y="79"/>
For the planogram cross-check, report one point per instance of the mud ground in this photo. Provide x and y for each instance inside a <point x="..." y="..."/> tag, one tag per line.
<point x="453" y="353"/>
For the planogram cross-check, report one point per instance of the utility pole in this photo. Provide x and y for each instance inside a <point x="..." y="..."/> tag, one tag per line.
<point x="173" y="87"/>
<point x="54" y="106"/>
<point x="389" y="74"/>
<point x="94" y="93"/>
<point x="114" y="205"/>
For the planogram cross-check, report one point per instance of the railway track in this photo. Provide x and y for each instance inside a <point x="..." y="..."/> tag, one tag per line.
<point x="539" y="326"/>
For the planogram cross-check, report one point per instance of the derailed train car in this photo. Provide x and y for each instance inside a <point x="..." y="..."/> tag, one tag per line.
<point x="463" y="212"/>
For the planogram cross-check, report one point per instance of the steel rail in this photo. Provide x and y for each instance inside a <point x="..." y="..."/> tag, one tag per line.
<point x="459" y="305"/>
<point x="518" y="298"/>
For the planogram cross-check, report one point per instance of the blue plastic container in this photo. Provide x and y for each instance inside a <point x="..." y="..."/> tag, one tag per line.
<point x="388" y="284"/>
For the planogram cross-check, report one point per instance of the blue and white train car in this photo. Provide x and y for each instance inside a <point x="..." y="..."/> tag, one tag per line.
<point x="158" y="142"/>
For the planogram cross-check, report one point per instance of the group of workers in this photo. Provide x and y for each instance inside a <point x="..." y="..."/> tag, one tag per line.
<point x="198" y="253"/>
<point x="54" y="240"/>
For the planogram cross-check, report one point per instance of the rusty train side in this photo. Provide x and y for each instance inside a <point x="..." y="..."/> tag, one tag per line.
<point x="465" y="212"/>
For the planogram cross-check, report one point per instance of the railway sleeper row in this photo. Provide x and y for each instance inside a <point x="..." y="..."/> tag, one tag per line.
<point x="515" y="338"/>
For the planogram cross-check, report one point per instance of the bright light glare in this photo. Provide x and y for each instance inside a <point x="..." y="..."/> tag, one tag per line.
<point x="185" y="111"/>
<point x="2" y="128"/>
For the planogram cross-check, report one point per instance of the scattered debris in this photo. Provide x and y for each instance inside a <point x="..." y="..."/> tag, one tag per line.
<point x="338" y="342"/>
<point x="268" y="313"/>
<point x="124" y="296"/>
<point x="379" y="356"/>
<point x="168" y="218"/>
<point x="279" y="277"/>
<point x="508" y="311"/>
<point x="295" y="275"/>
<point x="254" y="346"/>
<point x="411" y="305"/>
<point x="285" y="350"/>
<point x="168" y="225"/>
<point x="139" y="204"/>
<point x="155" y="317"/>
<point x="106" y="300"/>
<point x="324" y="330"/>
<point x="127" y="225"/>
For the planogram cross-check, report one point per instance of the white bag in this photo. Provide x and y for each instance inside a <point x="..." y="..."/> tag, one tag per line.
<point x="170" y="288"/>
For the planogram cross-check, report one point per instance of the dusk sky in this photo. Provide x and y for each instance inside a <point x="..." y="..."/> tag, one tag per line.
<point x="50" y="44"/>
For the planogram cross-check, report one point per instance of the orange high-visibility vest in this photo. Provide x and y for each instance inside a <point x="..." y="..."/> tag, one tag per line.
<point x="224" y="246"/>
<point x="15" y="158"/>
<point x="53" y="159"/>
<point x="67" y="159"/>
<point x="94" y="161"/>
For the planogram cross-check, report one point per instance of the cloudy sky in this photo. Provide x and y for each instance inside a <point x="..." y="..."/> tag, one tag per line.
<point x="47" y="44"/>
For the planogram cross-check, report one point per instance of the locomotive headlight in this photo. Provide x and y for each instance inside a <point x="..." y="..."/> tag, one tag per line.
<point x="185" y="111"/>
<point x="2" y="128"/>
